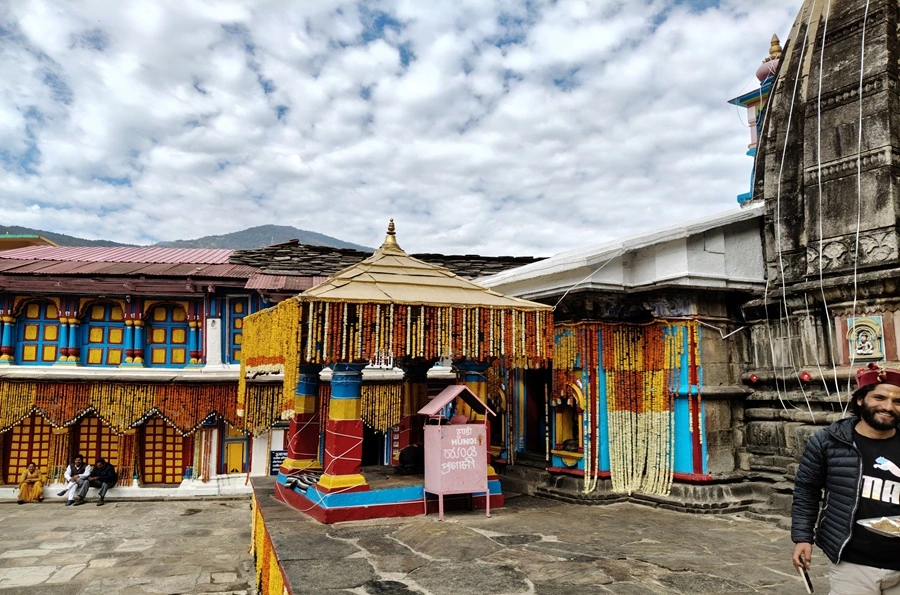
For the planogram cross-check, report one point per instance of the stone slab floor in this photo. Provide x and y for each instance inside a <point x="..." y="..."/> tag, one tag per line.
<point x="538" y="547"/>
<point x="126" y="547"/>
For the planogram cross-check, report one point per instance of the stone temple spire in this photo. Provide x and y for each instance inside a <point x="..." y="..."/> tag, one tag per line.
<point x="827" y="152"/>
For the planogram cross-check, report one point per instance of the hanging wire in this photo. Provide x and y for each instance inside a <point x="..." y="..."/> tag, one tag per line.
<point x="862" y="57"/>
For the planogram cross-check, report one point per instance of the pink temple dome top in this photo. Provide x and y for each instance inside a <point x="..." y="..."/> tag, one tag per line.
<point x="770" y="64"/>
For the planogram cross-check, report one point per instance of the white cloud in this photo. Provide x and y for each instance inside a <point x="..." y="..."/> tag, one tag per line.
<point x="480" y="127"/>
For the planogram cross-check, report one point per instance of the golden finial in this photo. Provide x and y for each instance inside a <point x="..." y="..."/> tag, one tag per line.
<point x="775" y="49"/>
<point x="390" y="241"/>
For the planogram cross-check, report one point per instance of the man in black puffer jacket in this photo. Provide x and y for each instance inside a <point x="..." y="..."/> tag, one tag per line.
<point x="857" y="462"/>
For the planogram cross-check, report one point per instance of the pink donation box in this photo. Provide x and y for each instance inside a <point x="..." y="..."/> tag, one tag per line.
<point x="455" y="459"/>
<point x="455" y="454"/>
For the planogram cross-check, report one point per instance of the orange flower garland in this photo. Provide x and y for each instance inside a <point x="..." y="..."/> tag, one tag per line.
<point x="641" y="364"/>
<point x="120" y="405"/>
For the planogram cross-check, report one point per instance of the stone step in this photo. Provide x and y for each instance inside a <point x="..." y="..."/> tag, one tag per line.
<point x="761" y="513"/>
<point x="780" y="503"/>
<point x="708" y="498"/>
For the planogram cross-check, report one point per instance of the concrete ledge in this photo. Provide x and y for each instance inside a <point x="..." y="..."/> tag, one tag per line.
<point x="225" y="487"/>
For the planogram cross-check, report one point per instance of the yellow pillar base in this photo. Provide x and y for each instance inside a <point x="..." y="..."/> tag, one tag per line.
<point x="341" y="482"/>
<point x="300" y="464"/>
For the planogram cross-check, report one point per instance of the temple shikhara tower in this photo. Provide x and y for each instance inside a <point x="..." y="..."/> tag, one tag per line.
<point x="826" y="176"/>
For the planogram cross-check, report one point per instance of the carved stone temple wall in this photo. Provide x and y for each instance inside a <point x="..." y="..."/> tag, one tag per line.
<point x="828" y="173"/>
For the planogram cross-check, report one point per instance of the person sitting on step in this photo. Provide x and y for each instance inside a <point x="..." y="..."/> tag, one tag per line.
<point x="75" y="474"/>
<point x="103" y="476"/>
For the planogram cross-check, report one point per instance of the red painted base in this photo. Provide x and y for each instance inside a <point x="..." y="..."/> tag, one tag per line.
<point x="381" y="511"/>
<point x="693" y="478"/>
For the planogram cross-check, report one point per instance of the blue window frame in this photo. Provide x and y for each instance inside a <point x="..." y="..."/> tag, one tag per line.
<point x="38" y="334"/>
<point x="167" y="336"/>
<point x="103" y="335"/>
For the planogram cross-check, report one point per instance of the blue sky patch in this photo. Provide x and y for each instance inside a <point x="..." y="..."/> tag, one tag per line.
<point x="568" y="80"/>
<point x="406" y="54"/>
<point x="59" y="90"/>
<point x="113" y="181"/>
<point x="94" y="39"/>
<point x="375" y="23"/>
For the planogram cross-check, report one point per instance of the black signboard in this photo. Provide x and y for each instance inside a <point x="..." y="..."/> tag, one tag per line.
<point x="276" y="458"/>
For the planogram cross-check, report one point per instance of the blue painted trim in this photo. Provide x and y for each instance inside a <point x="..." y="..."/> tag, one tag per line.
<point x="602" y="404"/>
<point x="684" y="455"/>
<point x="374" y="497"/>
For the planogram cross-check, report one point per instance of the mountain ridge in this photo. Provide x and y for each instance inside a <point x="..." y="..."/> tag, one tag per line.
<point x="252" y="237"/>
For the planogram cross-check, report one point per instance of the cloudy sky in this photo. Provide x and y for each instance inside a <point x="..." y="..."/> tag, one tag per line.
<point x="492" y="127"/>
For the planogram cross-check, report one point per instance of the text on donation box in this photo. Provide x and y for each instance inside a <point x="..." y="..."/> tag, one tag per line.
<point x="455" y="459"/>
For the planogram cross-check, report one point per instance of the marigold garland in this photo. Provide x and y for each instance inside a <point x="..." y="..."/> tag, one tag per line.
<point x="270" y="341"/>
<point x="381" y="405"/>
<point x="125" y="405"/>
<point x="641" y="364"/>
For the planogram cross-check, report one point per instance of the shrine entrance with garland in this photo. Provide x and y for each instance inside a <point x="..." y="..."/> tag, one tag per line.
<point x="386" y="313"/>
<point x="165" y="452"/>
<point x="28" y="441"/>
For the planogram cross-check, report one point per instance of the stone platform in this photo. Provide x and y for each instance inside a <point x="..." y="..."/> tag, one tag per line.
<point x="531" y="545"/>
<point x="385" y="495"/>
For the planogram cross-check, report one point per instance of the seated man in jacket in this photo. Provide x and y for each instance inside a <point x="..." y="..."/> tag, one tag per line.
<point x="76" y="474"/>
<point x="103" y="476"/>
<point x="856" y="460"/>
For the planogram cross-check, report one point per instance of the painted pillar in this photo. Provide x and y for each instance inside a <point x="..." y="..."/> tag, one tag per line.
<point x="62" y="341"/>
<point x="303" y="434"/>
<point x="344" y="433"/>
<point x="471" y="373"/>
<point x="74" y="343"/>
<point x="138" y="341"/>
<point x="192" y="343"/>
<point x="7" y="351"/>
<point x="415" y="396"/>
<point x="129" y="340"/>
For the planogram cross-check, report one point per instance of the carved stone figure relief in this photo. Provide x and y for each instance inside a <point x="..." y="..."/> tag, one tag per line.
<point x="865" y="339"/>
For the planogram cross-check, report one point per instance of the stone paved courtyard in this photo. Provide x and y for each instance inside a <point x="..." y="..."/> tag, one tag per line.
<point x="125" y="547"/>
<point x="532" y="547"/>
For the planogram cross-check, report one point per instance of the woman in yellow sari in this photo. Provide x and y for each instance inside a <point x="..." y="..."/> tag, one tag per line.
<point x="31" y="485"/>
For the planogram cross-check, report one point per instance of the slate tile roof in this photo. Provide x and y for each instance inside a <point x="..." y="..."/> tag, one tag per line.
<point x="294" y="258"/>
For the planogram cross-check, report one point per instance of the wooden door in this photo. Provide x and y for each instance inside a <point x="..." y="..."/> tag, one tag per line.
<point x="163" y="460"/>
<point x="28" y="441"/>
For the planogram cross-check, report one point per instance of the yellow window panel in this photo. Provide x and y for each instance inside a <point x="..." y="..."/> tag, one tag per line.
<point x="239" y="308"/>
<point x="158" y="335"/>
<point x="49" y="353"/>
<point x="33" y="311"/>
<point x="178" y="335"/>
<point x="178" y="315"/>
<point x="159" y="314"/>
<point x="234" y="457"/>
<point x="178" y="356"/>
<point x="158" y="356"/>
<point x="237" y="355"/>
<point x="116" y="314"/>
<point x="51" y="332"/>
<point x="238" y="339"/>
<point x="98" y="312"/>
<point x="95" y="356"/>
<point x="238" y="323"/>
<point x="95" y="335"/>
<point x="52" y="312"/>
<point x="114" y="357"/>
<point x="115" y="336"/>
<point x="29" y="353"/>
<point x="31" y="332"/>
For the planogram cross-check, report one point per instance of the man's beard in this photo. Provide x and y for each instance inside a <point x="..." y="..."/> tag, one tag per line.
<point x="870" y="417"/>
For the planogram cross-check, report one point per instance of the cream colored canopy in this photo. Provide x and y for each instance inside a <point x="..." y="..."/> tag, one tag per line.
<point x="390" y="275"/>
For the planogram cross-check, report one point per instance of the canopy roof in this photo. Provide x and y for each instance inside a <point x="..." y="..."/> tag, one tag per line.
<point x="436" y="404"/>
<point x="390" y="275"/>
